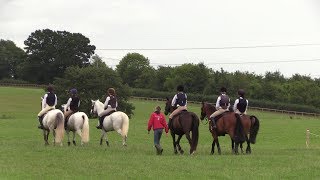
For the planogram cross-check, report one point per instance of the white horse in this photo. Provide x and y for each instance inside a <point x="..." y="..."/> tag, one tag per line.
<point x="53" y="121"/>
<point x="78" y="123"/>
<point x="117" y="121"/>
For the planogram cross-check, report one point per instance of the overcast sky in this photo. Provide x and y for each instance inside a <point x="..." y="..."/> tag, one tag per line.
<point x="219" y="25"/>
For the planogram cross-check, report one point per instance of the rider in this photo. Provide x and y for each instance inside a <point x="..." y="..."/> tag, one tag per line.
<point x="180" y="101"/>
<point x="222" y="105"/>
<point x="110" y="104"/>
<point x="49" y="101"/>
<point x="241" y="104"/>
<point x="72" y="105"/>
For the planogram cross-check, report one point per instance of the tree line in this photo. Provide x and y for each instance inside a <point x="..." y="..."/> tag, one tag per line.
<point x="68" y="60"/>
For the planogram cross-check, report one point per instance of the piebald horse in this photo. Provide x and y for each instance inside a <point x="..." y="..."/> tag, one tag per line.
<point x="117" y="121"/>
<point x="53" y="121"/>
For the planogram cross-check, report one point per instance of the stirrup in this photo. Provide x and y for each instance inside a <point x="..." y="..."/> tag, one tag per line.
<point x="99" y="127"/>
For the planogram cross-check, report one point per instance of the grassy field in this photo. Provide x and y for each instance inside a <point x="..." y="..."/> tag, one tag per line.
<point x="280" y="151"/>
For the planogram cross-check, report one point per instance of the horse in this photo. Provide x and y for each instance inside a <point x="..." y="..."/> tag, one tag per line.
<point x="78" y="123"/>
<point x="118" y="121"/>
<point x="251" y="126"/>
<point x="229" y="123"/>
<point x="53" y="121"/>
<point x="183" y="123"/>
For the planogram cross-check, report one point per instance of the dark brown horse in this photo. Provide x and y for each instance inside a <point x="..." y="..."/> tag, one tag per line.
<point x="250" y="126"/>
<point x="229" y="123"/>
<point x="183" y="123"/>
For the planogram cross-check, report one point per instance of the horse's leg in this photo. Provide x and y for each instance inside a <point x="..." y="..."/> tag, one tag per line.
<point x="190" y="142"/>
<point x="178" y="144"/>
<point x="73" y="138"/>
<point x="54" y="137"/>
<point x="103" y="133"/>
<point x="218" y="145"/>
<point x="68" y="134"/>
<point x="248" y="150"/>
<point x="174" y="142"/>
<point x="213" y="144"/>
<point x="45" y="137"/>
<point x="236" y="149"/>
<point x="232" y="145"/>
<point x="80" y="134"/>
<point x="124" y="138"/>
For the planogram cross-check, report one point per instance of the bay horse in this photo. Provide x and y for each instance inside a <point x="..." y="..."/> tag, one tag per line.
<point x="183" y="123"/>
<point x="78" y="123"/>
<point x="229" y="123"/>
<point x="117" y="121"/>
<point x="251" y="125"/>
<point x="53" y="121"/>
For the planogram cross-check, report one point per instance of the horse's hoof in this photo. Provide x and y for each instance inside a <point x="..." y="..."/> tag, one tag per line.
<point x="74" y="143"/>
<point x="107" y="142"/>
<point x="193" y="153"/>
<point x="181" y="152"/>
<point x="69" y="143"/>
<point x="175" y="152"/>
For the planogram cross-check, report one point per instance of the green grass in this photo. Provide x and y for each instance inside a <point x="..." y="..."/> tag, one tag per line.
<point x="280" y="151"/>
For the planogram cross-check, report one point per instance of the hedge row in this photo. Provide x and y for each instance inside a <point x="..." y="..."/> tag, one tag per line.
<point x="212" y="99"/>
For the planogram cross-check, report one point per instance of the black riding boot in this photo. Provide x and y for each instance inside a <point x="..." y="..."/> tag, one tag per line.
<point x="100" y="123"/>
<point x="40" y="121"/>
<point x="214" y="126"/>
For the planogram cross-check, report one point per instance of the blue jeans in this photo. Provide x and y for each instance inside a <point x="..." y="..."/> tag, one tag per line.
<point x="157" y="136"/>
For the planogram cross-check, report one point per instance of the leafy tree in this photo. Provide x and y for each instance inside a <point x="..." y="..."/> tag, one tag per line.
<point x="96" y="61"/>
<point x="133" y="69"/>
<point x="51" y="52"/>
<point x="10" y="57"/>
<point x="193" y="76"/>
<point x="92" y="83"/>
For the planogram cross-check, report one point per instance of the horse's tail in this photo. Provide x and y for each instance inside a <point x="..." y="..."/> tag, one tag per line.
<point x="60" y="127"/>
<point x="85" y="129"/>
<point x="254" y="129"/>
<point x="195" y="130"/>
<point x="239" y="132"/>
<point x="125" y="125"/>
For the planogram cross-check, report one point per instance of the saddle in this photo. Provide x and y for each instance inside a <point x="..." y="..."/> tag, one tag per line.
<point x="216" y="120"/>
<point x="183" y="111"/>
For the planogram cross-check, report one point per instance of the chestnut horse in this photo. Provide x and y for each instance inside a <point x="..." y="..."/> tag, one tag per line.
<point x="229" y="123"/>
<point x="250" y="125"/>
<point x="183" y="123"/>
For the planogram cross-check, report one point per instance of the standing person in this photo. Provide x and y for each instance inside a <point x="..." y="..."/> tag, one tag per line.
<point x="157" y="120"/>
<point x="180" y="101"/>
<point x="222" y="105"/>
<point x="72" y="105"/>
<point x="49" y="101"/>
<point x="110" y="104"/>
<point x="241" y="104"/>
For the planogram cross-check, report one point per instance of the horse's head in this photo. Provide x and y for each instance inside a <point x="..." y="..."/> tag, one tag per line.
<point x="167" y="108"/>
<point x="206" y="110"/>
<point x="93" y="107"/>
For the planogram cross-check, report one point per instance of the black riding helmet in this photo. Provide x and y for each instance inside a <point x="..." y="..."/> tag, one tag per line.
<point x="50" y="88"/>
<point x="241" y="92"/>
<point x="180" y="88"/>
<point x="223" y="89"/>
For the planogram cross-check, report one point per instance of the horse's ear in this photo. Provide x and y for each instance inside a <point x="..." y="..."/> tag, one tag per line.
<point x="202" y="103"/>
<point x="167" y="98"/>
<point x="92" y="101"/>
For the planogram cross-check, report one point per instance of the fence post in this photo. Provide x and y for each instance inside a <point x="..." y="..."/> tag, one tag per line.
<point x="307" y="138"/>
